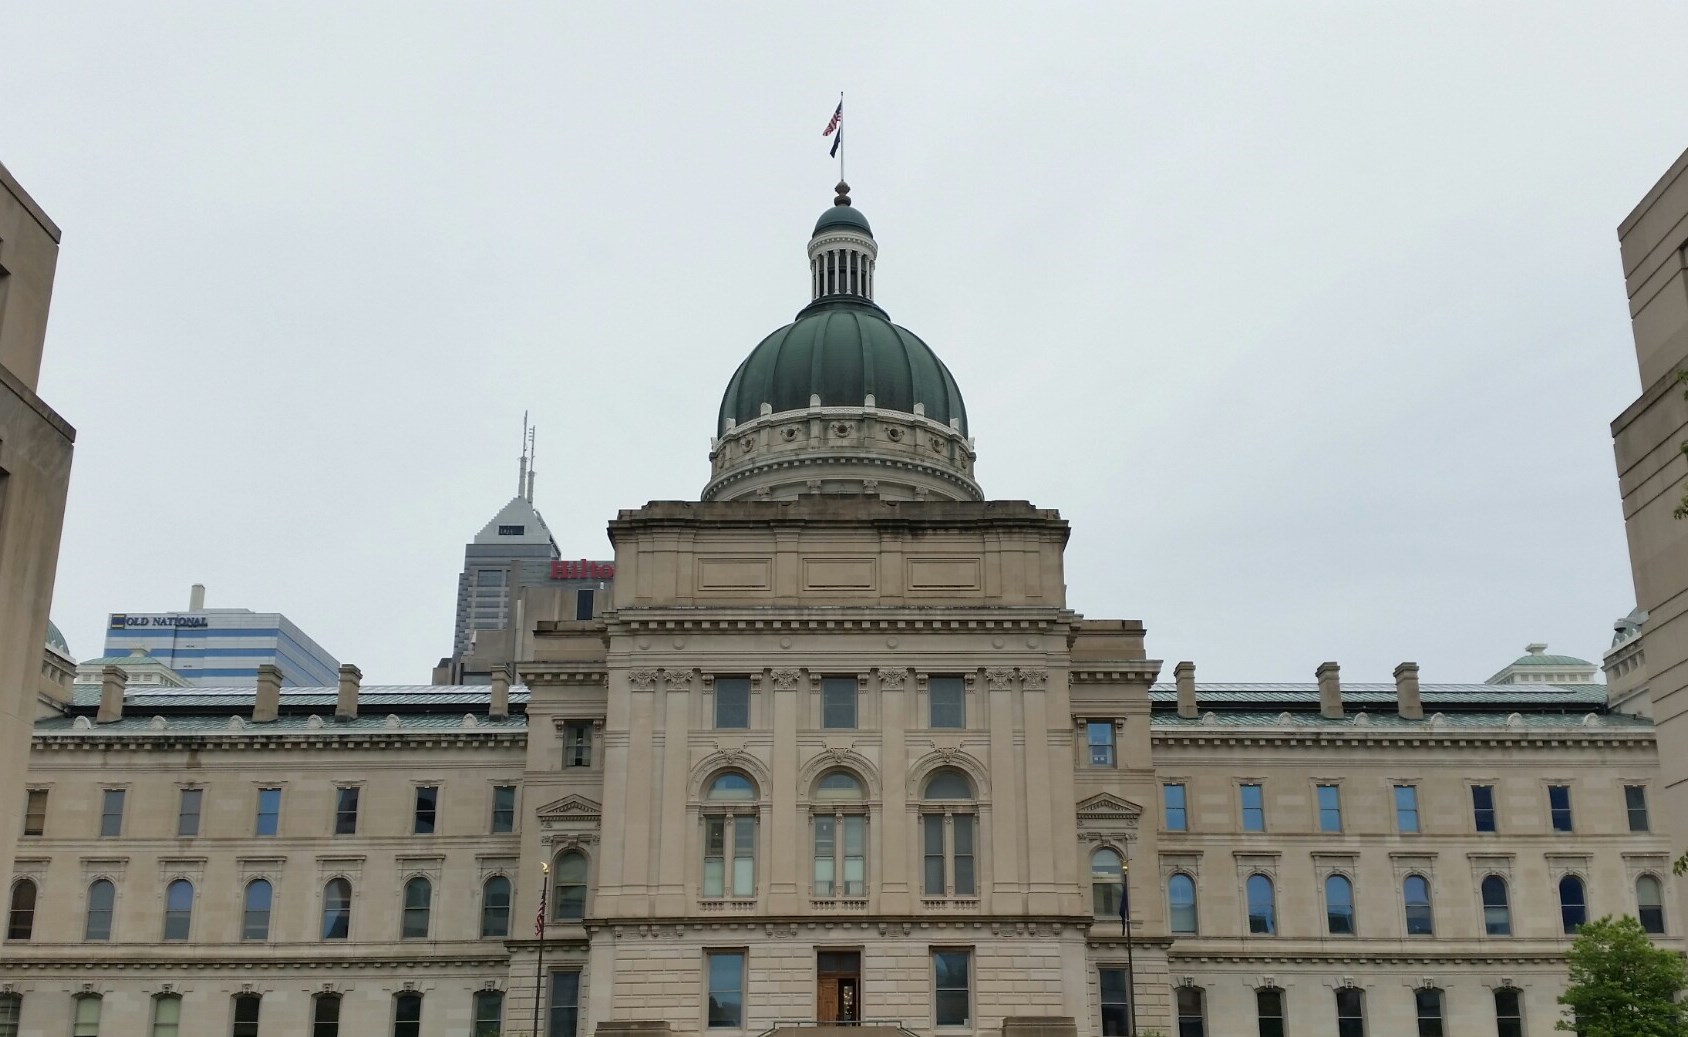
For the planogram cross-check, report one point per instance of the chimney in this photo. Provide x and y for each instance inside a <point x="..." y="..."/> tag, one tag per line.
<point x="498" y="706"/>
<point x="1185" y="674"/>
<point x="112" y="683"/>
<point x="1407" y="700"/>
<point x="1330" y="691"/>
<point x="346" y="706"/>
<point x="266" y="706"/>
<point x="196" y="598"/>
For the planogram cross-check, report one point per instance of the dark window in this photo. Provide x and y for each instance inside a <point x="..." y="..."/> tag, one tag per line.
<point x="325" y="1015"/>
<point x="1406" y="809"/>
<point x="1254" y="807"/>
<point x="949" y="702"/>
<point x="187" y="816"/>
<point x="1107" y="883"/>
<point x="503" y="808"/>
<point x="952" y="987"/>
<point x="569" y="887"/>
<point x="1174" y="802"/>
<point x="346" y="810"/>
<point x="726" y="988"/>
<point x="1429" y="1005"/>
<point x="1509" y="1013"/>
<point x="1497" y="913"/>
<point x="495" y="907"/>
<point x="11" y="1005"/>
<point x="1181" y="903"/>
<point x="102" y="899"/>
<point x="1330" y="808"/>
<point x="838" y="702"/>
<point x="1559" y="806"/>
<point x="489" y="1013"/>
<point x="583" y="603"/>
<point x="1650" y="904"/>
<point x="336" y="909"/>
<point x="1415" y="892"/>
<point x="178" y="909"/>
<point x="511" y="531"/>
<point x="246" y="1015"/>
<point x="1269" y="1007"/>
<point x="1573" y="903"/>
<point x="1339" y="906"/>
<point x="1192" y="1012"/>
<point x="1483" y="807"/>
<point x="35" y="812"/>
<point x="255" y="916"/>
<point x="20" y="921"/>
<point x="1262" y="907"/>
<point x="565" y="1004"/>
<point x="407" y="1015"/>
<point x="1350" y="1012"/>
<point x="1099" y="736"/>
<point x="1116" y="1001"/>
<point x="577" y="743"/>
<point x="111" y="813"/>
<point x="427" y="809"/>
<point x="1635" y="801"/>
<point x="732" y="702"/>
<point x="959" y="857"/>
<point x="269" y="812"/>
<point x="418" y="906"/>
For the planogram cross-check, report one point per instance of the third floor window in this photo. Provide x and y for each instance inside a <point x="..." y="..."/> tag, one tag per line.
<point x="577" y="743"/>
<point x="838" y="702"/>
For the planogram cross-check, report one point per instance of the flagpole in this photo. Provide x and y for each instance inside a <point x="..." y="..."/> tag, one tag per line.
<point x="841" y="177"/>
<point x="539" y="930"/>
<point x="1125" y="930"/>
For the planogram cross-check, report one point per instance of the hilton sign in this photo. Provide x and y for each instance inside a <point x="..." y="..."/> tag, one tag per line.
<point x="583" y="570"/>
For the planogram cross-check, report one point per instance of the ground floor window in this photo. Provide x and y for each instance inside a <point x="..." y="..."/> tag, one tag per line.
<point x="1116" y="1001"/>
<point x="1269" y="1007"/>
<point x="489" y="1013"/>
<point x="1350" y="1012"/>
<point x="952" y="995"/>
<point x="1192" y="1012"/>
<point x="565" y="1004"/>
<point x="1429" y="1005"/>
<point x="1509" y="1013"/>
<point x="726" y="989"/>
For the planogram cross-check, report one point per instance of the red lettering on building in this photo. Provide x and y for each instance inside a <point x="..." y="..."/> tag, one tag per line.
<point x="584" y="569"/>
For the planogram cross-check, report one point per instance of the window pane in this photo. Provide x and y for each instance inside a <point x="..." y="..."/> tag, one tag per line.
<point x="826" y="851"/>
<point x="565" y="1004"/>
<point x="1429" y="1005"/>
<point x="87" y="1022"/>
<point x="714" y="856"/>
<point x="1483" y="807"/>
<point x="1181" y="903"/>
<point x="1269" y="1007"/>
<point x="1192" y="1012"/>
<point x="839" y="785"/>
<point x="418" y="899"/>
<point x="1330" y="808"/>
<point x="577" y="743"/>
<point x="948" y="783"/>
<point x="503" y="808"/>
<point x="1650" y="905"/>
<point x="731" y="786"/>
<point x="1497" y="913"/>
<point x="346" y="811"/>
<point x="1559" y="806"/>
<point x="1177" y="816"/>
<point x="1262" y="911"/>
<point x="1415" y="890"/>
<point x="325" y="1016"/>
<point x="1106" y="878"/>
<point x="111" y="813"/>
<point x="1350" y="1013"/>
<point x="336" y="909"/>
<point x="1635" y="802"/>
<point x="838" y="702"/>
<point x="495" y="907"/>
<point x="407" y="1015"/>
<point x="948" y="702"/>
<point x="102" y="897"/>
<point x="1099" y="734"/>
<point x="726" y="989"/>
<point x="427" y="803"/>
<point x="962" y="826"/>
<point x="166" y="1016"/>
<point x="21" y="921"/>
<point x="569" y="886"/>
<point x="732" y="702"/>
<point x="744" y="856"/>
<point x="1339" y="906"/>
<point x="269" y="811"/>
<point x="489" y="1013"/>
<point x="178" y="910"/>
<point x="1573" y="908"/>
<point x="952" y="1000"/>
<point x="932" y="854"/>
<point x="255" y="918"/>
<point x="1254" y="808"/>
<point x="855" y="856"/>
<point x="246" y="1016"/>
<point x="35" y="812"/>
<point x="1406" y="809"/>
<point x="1116" y="1005"/>
<point x="1509" y="1014"/>
<point x="187" y="817"/>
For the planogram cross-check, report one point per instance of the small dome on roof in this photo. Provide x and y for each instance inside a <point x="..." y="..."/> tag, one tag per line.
<point x="1536" y="655"/>
<point x="56" y="641"/>
<point x="845" y="215"/>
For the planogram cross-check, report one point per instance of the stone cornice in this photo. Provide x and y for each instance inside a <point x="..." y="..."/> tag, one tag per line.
<point x="146" y="958"/>
<point x="1361" y="956"/>
<point x="844" y="617"/>
<point x="1133" y="670"/>
<point x="164" y="741"/>
<point x="1301" y="737"/>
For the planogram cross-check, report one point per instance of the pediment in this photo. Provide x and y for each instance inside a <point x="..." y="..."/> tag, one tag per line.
<point x="1102" y="805"/>
<point x="571" y="808"/>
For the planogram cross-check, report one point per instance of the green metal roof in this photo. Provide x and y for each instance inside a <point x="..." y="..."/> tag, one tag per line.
<point x="1480" y="698"/>
<point x="842" y="349"/>
<point x="843" y="216"/>
<point x="1393" y="721"/>
<point x="1550" y="660"/>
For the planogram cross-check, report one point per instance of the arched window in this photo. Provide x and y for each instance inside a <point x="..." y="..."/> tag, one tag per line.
<point x="1262" y="906"/>
<point x="947" y="836"/>
<point x="1415" y="893"/>
<point x="1509" y="1012"/>
<point x="840" y="836"/>
<point x="731" y="786"/>
<point x="489" y="1013"/>
<point x="1350" y="1012"/>
<point x="568" y="880"/>
<point x="337" y="910"/>
<point x="178" y="910"/>
<point x="20" y="922"/>
<point x="418" y="905"/>
<point x="1181" y="903"/>
<point x="255" y="914"/>
<point x="1107" y="880"/>
<point x="246" y="1015"/>
<point x="166" y="1015"/>
<point x="102" y="899"/>
<point x="325" y="1015"/>
<point x="729" y="838"/>
<point x="1339" y="906"/>
<point x="495" y="907"/>
<point x="1269" y="1009"/>
<point x="1428" y="1002"/>
<point x="1650" y="904"/>
<point x="1192" y="1012"/>
<point x="1497" y="913"/>
<point x="1573" y="903"/>
<point x="407" y="1015"/>
<point x="87" y="1019"/>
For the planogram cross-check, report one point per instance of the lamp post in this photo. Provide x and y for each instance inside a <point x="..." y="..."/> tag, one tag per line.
<point x="539" y="932"/>
<point x="1125" y="930"/>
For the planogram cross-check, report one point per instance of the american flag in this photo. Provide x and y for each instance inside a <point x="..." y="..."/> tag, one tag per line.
<point x="539" y="919"/>
<point x="832" y="124"/>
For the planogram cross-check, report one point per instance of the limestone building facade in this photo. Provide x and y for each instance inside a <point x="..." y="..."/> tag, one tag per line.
<point x="839" y="752"/>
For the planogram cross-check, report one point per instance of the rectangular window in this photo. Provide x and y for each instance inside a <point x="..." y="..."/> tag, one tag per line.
<point x="841" y="850"/>
<point x="1330" y="808"/>
<point x="565" y="1004"/>
<point x="1350" y="1012"/>
<point x="489" y="1014"/>
<point x="1429" y="1003"/>
<point x="1509" y="1013"/>
<point x="1192" y="1012"/>
<point x="35" y="812"/>
<point x="187" y="813"/>
<point x="952" y="993"/>
<point x="166" y="1016"/>
<point x="246" y="1016"/>
<point x="732" y="703"/>
<point x="11" y="1005"/>
<point x="503" y="808"/>
<point x="577" y="743"/>
<point x="729" y="856"/>
<point x="1254" y="807"/>
<point x="949" y="702"/>
<point x="955" y="866"/>
<point x="346" y="810"/>
<point x="1099" y="736"/>
<point x="1406" y="809"/>
<point x="1483" y="807"/>
<point x="407" y="1015"/>
<point x="427" y="809"/>
<point x="583" y="604"/>
<point x="111" y="813"/>
<point x="87" y="1018"/>
<point x="1635" y="801"/>
<point x="1116" y="1001"/>
<point x="1559" y="807"/>
<point x="269" y="812"/>
<point x="1269" y="1007"/>
<point x="1175" y="806"/>
<point x="726" y="989"/>
<point x="838" y="702"/>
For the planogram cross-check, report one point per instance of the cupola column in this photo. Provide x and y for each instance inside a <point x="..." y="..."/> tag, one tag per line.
<point x="842" y="255"/>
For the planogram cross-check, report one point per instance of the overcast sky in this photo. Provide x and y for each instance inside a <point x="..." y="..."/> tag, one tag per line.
<point x="1309" y="318"/>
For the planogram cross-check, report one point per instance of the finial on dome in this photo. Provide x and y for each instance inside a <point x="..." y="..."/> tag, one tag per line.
<point x="843" y="190"/>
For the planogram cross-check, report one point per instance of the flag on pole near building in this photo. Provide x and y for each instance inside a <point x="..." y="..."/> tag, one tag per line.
<point x="539" y="919"/>
<point x="835" y="125"/>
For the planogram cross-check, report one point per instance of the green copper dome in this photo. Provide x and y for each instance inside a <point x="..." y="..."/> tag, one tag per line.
<point x="843" y="216"/>
<point x="843" y="349"/>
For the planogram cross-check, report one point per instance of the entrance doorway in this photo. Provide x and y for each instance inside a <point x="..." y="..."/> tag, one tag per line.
<point x="838" y="987"/>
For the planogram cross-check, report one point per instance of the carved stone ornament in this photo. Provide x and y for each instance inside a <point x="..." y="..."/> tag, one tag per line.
<point x="788" y="433"/>
<point x="841" y="429"/>
<point x="642" y="680"/>
<point x="999" y="678"/>
<point x="746" y="444"/>
<point x="1034" y="680"/>
<point x="892" y="679"/>
<point x="785" y="680"/>
<point x="947" y="753"/>
<point x="838" y="755"/>
<point x="894" y="434"/>
<point x="677" y="680"/>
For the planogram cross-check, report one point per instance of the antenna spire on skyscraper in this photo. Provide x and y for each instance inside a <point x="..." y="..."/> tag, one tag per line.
<point x="522" y="474"/>
<point x="533" y="459"/>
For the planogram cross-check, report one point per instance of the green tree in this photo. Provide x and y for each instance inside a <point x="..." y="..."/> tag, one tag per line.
<point x="1620" y="985"/>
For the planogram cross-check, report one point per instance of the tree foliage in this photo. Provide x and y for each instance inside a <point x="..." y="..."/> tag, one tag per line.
<point x="1620" y="985"/>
